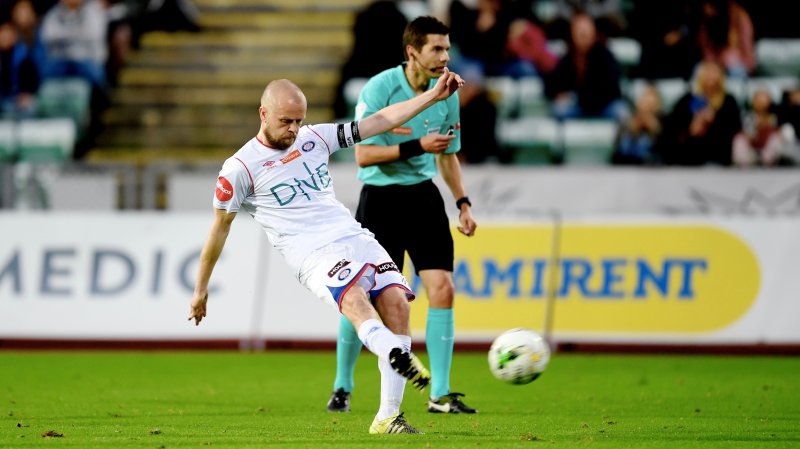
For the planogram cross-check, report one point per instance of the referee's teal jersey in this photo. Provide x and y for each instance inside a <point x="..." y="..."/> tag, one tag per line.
<point x="389" y="87"/>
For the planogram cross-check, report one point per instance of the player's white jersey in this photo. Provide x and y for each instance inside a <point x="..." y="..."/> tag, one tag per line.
<point x="290" y="192"/>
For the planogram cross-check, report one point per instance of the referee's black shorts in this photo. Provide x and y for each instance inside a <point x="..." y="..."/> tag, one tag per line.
<point x="409" y="218"/>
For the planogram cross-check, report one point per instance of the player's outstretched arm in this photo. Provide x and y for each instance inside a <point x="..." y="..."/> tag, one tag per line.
<point x="396" y="114"/>
<point x="212" y="248"/>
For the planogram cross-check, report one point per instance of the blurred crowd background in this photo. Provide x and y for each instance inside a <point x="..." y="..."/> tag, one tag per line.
<point x="685" y="82"/>
<point x="550" y="82"/>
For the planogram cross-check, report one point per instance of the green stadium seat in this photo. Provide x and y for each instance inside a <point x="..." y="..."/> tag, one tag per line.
<point x="8" y="141"/>
<point x="46" y="140"/>
<point x="775" y="85"/>
<point x="533" y="140"/>
<point x="557" y="47"/>
<point x="352" y="89"/>
<point x="670" y="89"/>
<point x="344" y="155"/>
<point x="589" y="141"/>
<point x="532" y="100"/>
<point x="627" y="51"/>
<point x="504" y="93"/>
<point x="66" y="97"/>
<point x="737" y="88"/>
<point x="778" y="56"/>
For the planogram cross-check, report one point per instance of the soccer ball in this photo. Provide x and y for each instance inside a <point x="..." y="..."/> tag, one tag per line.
<point x="518" y="356"/>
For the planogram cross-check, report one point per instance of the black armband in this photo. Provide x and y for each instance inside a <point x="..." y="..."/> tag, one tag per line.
<point x="347" y="134"/>
<point x="410" y="149"/>
<point x="461" y="201"/>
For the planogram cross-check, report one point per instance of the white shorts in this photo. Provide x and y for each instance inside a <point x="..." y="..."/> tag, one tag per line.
<point x="330" y="271"/>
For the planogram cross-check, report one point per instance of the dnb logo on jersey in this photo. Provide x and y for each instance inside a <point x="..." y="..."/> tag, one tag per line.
<point x="224" y="190"/>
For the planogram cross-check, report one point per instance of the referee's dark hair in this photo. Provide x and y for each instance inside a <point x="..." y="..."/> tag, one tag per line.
<point x="417" y="31"/>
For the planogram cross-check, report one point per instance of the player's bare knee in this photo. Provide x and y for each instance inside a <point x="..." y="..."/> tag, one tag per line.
<point x="441" y="293"/>
<point x="356" y="307"/>
<point x="393" y="307"/>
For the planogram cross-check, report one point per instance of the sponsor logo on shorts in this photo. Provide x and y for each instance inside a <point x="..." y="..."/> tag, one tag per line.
<point x="224" y="190"/>
<point x="308" y="146"/>
<point x="387" y="266"/>
<point x="290" y="157"/>
<point x="343" y="275"/>
<point x="339" y="265"/>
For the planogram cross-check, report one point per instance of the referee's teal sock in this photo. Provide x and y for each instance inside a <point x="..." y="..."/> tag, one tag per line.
<point x="439" y="339"/>
<point x="348" y="346"/>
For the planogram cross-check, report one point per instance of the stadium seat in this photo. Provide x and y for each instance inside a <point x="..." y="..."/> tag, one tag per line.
<point x="46" y="140"/>
<point x="670" y="89"/>
<point x="8" y="141"/>
<point x="589" y="141"/>
<point x="778" y="56"/>
<point x="344" y="155"/>
<point x="534" y="140"/>
<point x="352" y="89"/>
<point x="66" y="97"/>
<point x="531" y="97"/>
<point x="775" y="85"/>
<point x="557" y="47"/>
<point x="504" y="93"/>
<point x="737" y="88"/>
<point x="627" y="51"/>
<point x="546" y="10"/>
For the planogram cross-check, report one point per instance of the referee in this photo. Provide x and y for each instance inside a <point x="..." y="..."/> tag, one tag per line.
<point x="396" y="168"/>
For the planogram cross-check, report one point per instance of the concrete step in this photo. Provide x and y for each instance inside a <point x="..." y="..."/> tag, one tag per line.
<point x="155" y="115"/>
<point x="262" y="39"/>
<point x="282" y="5"/>
<point x="200" y="136"/>
<point x="181" y="77"/>
<point x="227" y="59"/>
<point x="283" y="20"/>
<point x="139" y="156"/>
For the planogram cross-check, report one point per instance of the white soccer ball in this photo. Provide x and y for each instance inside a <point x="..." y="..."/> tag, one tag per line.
<point x="518" y="356"/>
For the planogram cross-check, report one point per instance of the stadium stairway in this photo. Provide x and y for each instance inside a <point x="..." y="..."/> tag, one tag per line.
<point x="193" y="96"/>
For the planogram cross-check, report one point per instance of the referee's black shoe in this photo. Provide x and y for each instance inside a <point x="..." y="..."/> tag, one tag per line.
<point x="449" y="403"/>
<point x="339" y="401"/>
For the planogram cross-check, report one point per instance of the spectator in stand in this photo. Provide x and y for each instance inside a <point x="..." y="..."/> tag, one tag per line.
<point x="607" y="14"/>
<point x="74" y="35"/>
<point x="22" y="60"/>
<point x="121" y="19"/>
<point x="586" y="81"/>
<point x="637" y="136"/>
<point x="667" y="32"/>
<point x="480" y="39"/>
<point x="479" y="124"/>
<point x="377" y="46"/>
<point x="701" y="126"/>
<point x="725" y="35"/>
<point x="8" y="38"/>
<point x="527" y="39"/>
<point x="759" y="142"/>
<point x="789" y="121"/>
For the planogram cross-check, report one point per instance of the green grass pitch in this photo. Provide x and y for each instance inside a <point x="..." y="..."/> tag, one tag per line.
<point x="277" y="399"/>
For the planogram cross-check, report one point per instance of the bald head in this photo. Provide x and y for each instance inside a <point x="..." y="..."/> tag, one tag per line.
<point x="282" y="111"/>
<point x="280" y="92"/>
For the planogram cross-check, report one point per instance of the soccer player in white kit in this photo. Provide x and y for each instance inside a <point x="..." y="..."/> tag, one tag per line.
<point x="280" y="177"/>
